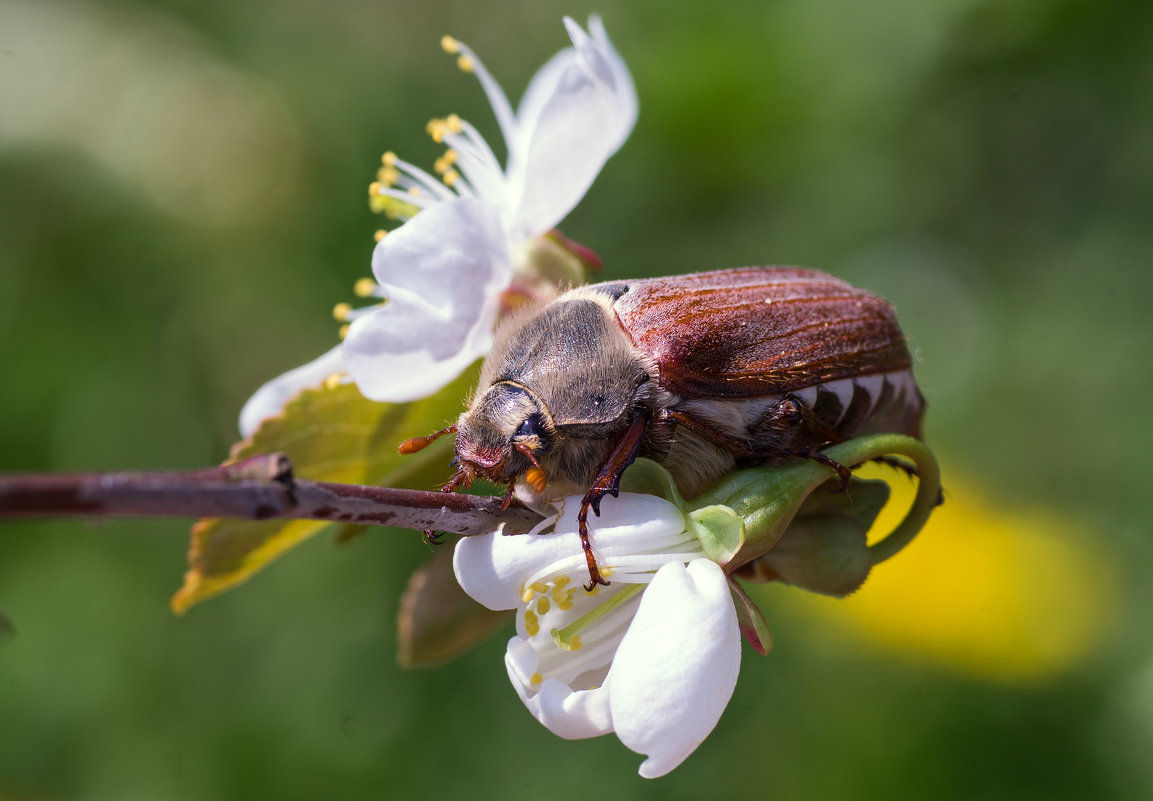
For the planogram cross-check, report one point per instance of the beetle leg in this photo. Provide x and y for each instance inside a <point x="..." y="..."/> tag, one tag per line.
<point x="898" y="464"/>
<point x="908" y="470"/>
<point x="733" y="446"/>
<point x="504" y="504"/>
<point x="607" y="482"/>
<point x="741" y="450"/>
<point x="462" y="476"/>
<point x="843" y="473"/>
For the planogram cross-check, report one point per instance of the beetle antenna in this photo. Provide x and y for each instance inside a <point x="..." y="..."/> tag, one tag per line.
<point x="420" y="443"/>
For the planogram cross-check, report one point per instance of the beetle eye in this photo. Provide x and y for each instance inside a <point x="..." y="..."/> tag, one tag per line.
<point x="532" y="427"/>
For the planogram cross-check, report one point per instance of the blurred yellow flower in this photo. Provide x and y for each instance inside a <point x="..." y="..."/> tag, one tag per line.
<point x="1001" y="594"/>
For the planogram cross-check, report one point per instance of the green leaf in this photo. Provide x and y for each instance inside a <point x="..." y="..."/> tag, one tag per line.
<point x="330" y="434"/>
<point x="437" y="621"/>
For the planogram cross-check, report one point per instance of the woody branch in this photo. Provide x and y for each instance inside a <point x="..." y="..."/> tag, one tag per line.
<point x="259" y="488"/>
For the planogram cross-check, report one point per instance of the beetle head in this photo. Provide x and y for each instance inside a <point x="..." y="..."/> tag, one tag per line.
<point x="503" y="435"/>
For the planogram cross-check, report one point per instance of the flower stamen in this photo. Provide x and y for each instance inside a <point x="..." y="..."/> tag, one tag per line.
<point x="445" y="162"/>
<point x="366" y="287"/>
<point x="565" y="637"/>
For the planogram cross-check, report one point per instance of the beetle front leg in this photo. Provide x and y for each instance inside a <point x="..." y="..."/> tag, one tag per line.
<point x="607" y="482"/>
<point x="462" y="476"/>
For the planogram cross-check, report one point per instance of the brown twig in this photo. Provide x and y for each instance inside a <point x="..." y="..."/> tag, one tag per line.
<point x="259" y="488"/>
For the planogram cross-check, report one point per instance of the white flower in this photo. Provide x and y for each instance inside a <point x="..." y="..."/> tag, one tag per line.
<point x="442" y="273"/>
<point x="654" y="656"/>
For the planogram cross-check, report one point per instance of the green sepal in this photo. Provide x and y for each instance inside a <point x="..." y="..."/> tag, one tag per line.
<point x="648" y="477"/>
<point x="825" y="548"/>
<point x="720" y="531"/>
<point x="552" y="263"/>
<point x="767" y="499"/>
<point x="751" y="620"/>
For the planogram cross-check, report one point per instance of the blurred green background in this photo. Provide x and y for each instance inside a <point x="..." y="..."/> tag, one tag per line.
<point x="183" y="199"/>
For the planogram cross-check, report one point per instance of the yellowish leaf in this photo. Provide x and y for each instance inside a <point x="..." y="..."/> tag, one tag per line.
<point x="330" y="434"/>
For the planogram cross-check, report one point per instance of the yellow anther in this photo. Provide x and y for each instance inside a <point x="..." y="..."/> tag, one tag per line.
<point x="527" y="594"/>
<point x="543" y="605"/>
<point x="387" y="175"/>
<point x="536" y="679"/>
<point x="340" y="312"/>
<point x="575" y="643"/>
<point x="596" y="590"/>
<point x="606" y="572"/>
<point x="332" y="381"/>
<point x="531" y="623"/>
<point x="563" y="599"/>
<point x="539" y="587"/>
<point x="445" y="162"/>
<point x="451" y="177"/>
<point x="453" y="123"/>
<point x="561" y="581"/>
<point x="388" y="159"/>
<point x="344" y="330"/>
<point x="449" y="44"/>
<point x="436" y="129"/>
<point x="464" y="63"/>
<point x="374" y="188"/>
<point x="365" y="287"/>
<point x="379" y="235"/>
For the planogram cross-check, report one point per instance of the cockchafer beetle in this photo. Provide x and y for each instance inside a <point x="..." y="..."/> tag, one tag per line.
<point x="703" y="373"/>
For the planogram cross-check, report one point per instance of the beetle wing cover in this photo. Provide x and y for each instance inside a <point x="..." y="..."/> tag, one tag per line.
<point x="759" y="331"/>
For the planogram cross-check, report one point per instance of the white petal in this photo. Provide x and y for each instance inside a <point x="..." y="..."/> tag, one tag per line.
<point x="442" y="273"/>
<point x="269" y="400"/>
<point x="627" y="106"/>
<point x="576" y="113"/>
<point x="493" y="568"/>
<point x="676" y="668"/>
<point x="540" y="89"/>
<point x="572" y="714"/>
